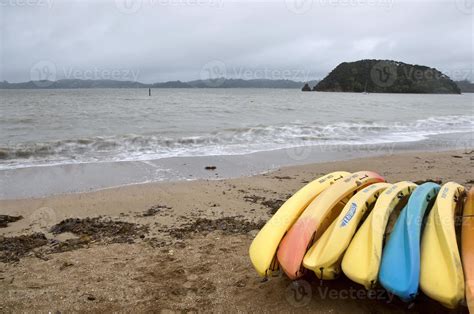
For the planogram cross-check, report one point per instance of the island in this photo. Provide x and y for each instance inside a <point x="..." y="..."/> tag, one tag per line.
<point x="386" y="76"/>
<point x="306" y="88"/>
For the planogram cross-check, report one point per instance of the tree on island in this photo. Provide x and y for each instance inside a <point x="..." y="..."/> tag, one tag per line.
<point x="386" y="76"/>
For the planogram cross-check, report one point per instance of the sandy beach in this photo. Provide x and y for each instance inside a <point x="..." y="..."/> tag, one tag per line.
<point x="183" y="246"/>
<point x="145" y="144"/>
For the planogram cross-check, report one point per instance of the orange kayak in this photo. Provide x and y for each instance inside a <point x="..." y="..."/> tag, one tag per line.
<point x="468" y="248"/>
<point x="317" y="217"/>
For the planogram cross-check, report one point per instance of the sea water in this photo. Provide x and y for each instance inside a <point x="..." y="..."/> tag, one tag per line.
<point x="51" y="127"/>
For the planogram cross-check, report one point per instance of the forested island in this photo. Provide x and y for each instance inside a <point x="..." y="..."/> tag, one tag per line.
<point x="385" y="76"/>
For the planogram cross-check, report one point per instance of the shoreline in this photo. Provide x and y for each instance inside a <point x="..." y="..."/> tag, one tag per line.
<point x="182" y="246"/>
<point x="43" y="181"/>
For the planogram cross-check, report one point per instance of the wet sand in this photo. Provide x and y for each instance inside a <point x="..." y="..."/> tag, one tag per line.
<point x="182" y="246"/>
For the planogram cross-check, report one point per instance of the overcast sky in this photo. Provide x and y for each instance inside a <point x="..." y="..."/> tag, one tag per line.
<point x="161" y="40"/>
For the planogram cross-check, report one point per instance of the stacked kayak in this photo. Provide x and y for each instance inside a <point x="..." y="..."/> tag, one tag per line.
<point x="342" y="223"/>
<point x="442" y="275"/>
<point x="468" y="248"/>
<point x="316" y="218"/>
<point x="263" y="249"/>
<point x="362" y="260"/>
<point x="403" y="246"/>
<point x="324" y="257"/>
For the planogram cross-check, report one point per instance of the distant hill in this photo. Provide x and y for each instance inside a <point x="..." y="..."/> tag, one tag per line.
<point x="239" y="83"/>
<point x="465" y="86"/>
<point x="71" y="84"/>
<point x="386" y="76"/>
<point x="216" y="83"/>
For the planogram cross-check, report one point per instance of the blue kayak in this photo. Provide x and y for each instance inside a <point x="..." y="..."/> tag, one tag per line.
<point x="400" y="266"/>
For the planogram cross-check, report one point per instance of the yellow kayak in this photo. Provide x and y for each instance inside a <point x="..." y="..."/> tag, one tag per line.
<point x="468" y="248"/>
<point x="316" y="218"/>
<point x="263" y="248"/>
<point x="324" y="257"/>
<point x="361" y="262"/>
<point x="441" y="275"/>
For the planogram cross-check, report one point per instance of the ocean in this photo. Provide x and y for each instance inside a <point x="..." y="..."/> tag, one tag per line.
<point x="57" y="127"/>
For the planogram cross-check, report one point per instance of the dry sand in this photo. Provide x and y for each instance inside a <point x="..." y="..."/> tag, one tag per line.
<point x="183" y="246"/>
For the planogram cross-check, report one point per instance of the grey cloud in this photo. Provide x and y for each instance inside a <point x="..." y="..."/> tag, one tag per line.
<point x="157" y="40"/>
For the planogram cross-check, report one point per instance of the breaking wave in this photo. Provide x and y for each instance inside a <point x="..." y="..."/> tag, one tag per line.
<point x="233" y="141"/>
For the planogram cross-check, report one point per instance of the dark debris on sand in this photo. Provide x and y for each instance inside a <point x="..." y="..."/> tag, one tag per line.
<point x="6" y="219"/>
<point x="283" y="177"/>
<point x="69" y="244"/>
<point x="101" y="229"/>
<point x="152" y="211"/>
<point x="13" y="248"/>
<point x="254" y="198"/>
<point x="437" y="181"/>
<point x="228" y="225"/>
<point x="272" y="204"/>
<point x="88" y="230"/>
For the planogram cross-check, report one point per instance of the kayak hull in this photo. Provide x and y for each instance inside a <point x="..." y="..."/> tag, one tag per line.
<point x="263" y="249"/>
<point x="361" y="262"/>
<point x="324" y="257"/>
<point x="316" y="219"/>
<point x="468" y="248"/>
<point x="441" y="275"/>
<point x="402" y="251"/>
